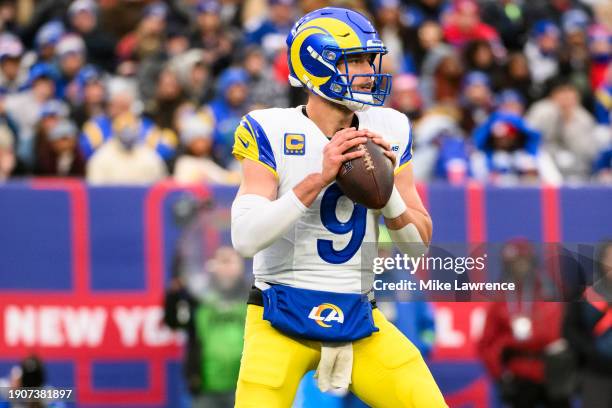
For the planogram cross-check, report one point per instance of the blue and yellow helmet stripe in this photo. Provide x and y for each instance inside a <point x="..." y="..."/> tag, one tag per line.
<point x="324" y="38"/>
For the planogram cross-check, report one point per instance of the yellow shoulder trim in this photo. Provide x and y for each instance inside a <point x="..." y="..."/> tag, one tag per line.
<point x="400" y="168"/>
<point x="93" y="132"/>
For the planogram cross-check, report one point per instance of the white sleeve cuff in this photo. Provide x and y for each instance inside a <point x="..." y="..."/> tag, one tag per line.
<point x="395" y="206"/>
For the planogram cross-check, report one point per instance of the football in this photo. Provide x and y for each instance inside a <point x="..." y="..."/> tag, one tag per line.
<point x="367" y="180"/>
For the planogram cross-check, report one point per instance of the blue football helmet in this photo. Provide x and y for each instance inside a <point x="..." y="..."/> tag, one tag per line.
<point x="324" y="38"/>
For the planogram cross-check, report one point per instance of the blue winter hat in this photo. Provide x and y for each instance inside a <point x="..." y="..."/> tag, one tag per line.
<point x="41" y="70"/>
<point x="232" y="76"/>
<point x="53" y="107"/>
<point x="10" y="46"/>
<point x="284" y="2"/>
<point x="158" y="9"/>
<point x="49" y="34"/>
<point x="208" y="6"/>
<point x="194" y="127"/>
<point x="88" y="74"/>
<point x="575" y="20"/>
<point x="78" y="6"/>
<point x="386" y="4"/>
<point x="476" y="78"/>
<point x="510" y="96"/>
<point x="64" y="128"/>
<point x="545" y="27"/>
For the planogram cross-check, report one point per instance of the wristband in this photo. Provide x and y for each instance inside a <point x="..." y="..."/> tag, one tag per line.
<point x="395" y="206"/>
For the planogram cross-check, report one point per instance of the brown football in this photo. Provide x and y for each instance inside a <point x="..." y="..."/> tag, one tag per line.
<point x="367" y="180"/>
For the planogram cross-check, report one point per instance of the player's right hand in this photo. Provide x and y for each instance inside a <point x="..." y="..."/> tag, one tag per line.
<point x="334" y="152"/>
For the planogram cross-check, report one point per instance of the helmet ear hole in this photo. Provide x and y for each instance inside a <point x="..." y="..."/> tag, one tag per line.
<point x="318" y="47"/>
<point x="329" y="55"/>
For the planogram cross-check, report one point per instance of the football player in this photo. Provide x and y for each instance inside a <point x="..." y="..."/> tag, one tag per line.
<point x="312" y="304"/>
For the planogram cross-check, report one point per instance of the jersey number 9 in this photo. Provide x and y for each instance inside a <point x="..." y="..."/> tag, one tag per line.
<point x="355" y="224"/>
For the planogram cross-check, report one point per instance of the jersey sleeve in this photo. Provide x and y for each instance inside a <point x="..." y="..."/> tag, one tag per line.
<point x="251" y="142"/>
<point x="406" y="154"/>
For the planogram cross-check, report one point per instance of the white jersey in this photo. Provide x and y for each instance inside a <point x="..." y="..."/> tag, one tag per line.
<point x="331" y="246"/>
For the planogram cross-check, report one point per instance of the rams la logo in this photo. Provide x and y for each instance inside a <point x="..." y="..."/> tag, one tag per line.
<point x="295" y="144"/>
<point x="326" y="313"/>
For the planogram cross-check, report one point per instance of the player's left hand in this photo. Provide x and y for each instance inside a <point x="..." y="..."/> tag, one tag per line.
<point x="379" y="140"/>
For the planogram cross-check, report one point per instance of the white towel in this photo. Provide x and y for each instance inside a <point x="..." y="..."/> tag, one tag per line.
<point x="335" y="367"/>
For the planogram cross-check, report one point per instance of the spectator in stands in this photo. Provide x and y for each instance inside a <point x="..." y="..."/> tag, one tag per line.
<point x="13" y="70"/>
<point x="442" y="73"/>
<point x="264" y="90"/>
<point x="517" y="76"/>
<point x="212" y="318"/>
<point x="444" y="153"/>
<point x="145" y="41"/>
<point x="508" y="18"/>
<point x="464" y="25"/>
<point x="8" y="159"/>
<point x="123" y="98"/>
<point x="476" y="100"/>
<point x="8" y="15"/>
<point x="71" y="57"/>
<point x="521" y="330"/>
<point x="51" y="113"/>
<point x="542" y="51"/>
<point x="588" y="329"/>
<point x="45" y="11"/>
<point x="508" y="149"/>
<point x="511" y="101"/>
<point x="479" y="56"/>
<point x="394" y="33"/>
<point x="271" y="33"/>
<point x="575" y="59"/>
<point x="194" y="75"/>
<point x="46" y="40"/>
<point x="196" y="165"/>
<point x="226" y="110"/>
<point x="25" y="107"/>
<point x="420" y="43"/>
<point x="567" y="129"/>
<point x="217" y="41"/>
<point x="149" y="70"/>
<point x="125" y="159"/>
<point x="98" y="43"/>
<point x="64" y="158"/>
<point x="419" y="12"/>
<point x="554" y="10"/>
<point x="603" y="99"/>
<point x="167" y="101"/>
<point x="90" y="95"/>
<point x="406" y="97"/>
<point x="600" y="47"/>
<point x="177" y="40"/>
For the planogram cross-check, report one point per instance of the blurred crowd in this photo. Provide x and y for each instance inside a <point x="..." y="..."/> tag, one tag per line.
<point x="541" y="351"/>
<point x="130" y="92"/>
